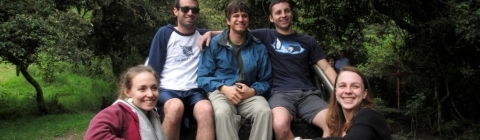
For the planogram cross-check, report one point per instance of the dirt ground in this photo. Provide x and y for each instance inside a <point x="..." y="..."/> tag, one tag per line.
<point x="71" y="136"/>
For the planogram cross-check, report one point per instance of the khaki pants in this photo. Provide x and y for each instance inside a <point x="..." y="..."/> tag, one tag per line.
<point x="228" y="117"/>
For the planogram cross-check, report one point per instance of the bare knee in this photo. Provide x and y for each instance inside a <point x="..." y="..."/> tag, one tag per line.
<point x="281" y="124"/>
<point x="281" y="121"/>
<point x="203" y="111"/>
<point x="173" y="110"/>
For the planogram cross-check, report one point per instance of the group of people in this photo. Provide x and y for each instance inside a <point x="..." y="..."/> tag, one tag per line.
<point x="230" y="77"/>
<point x="341" y="62"/>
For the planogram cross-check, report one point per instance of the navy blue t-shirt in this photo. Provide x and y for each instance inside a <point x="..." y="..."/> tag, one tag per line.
<point x="290" y="56"/>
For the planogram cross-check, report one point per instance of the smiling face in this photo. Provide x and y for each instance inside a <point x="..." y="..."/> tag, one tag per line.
<point x="186" y="18"/>
<point x="237" y="16"/>
<point x="238" y="21"/>
<point x="281" y="15"/>
<point x="350" y="90"/>
<point x="144" y="91"/>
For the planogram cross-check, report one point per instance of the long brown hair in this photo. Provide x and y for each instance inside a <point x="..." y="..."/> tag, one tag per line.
<point x="126" y="78"/>
<point x="336" y="121"/>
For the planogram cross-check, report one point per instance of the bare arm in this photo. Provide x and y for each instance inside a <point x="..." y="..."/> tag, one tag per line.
<point x="327" y="69"/>
<point x="206" y="39"/>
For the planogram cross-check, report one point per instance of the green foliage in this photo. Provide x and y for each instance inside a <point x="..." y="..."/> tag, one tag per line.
<point x="123" y="29"/>
<point x="466" y="16"/>
<point x="16" y="104"/>
<point x="47" y="66"/>
<point x="24" y="34"/>
<point x="441" y="49"/>
<point x="67" y="93"/>
<point x="379" y="102"/>
<point x="337" y="25"/>
<point x="26" y="27"/>
<point x="79" y="93"/>
<point x="435" y="42"/>
<point x="45" y="127"/>
<point x="414" y="106"/>
<point x="96" y="67"/>
<point x="14" y="95"/>
<point x="472" y="133"/>
<point x="380" y="50"/>
<point x="213" y="12"/>
<point x="214" y="17"/>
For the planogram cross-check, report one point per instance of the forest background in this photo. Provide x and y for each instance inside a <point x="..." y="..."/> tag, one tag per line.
<point x="61" y="57"/>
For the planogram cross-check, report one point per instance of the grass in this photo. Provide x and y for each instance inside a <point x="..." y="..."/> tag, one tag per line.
<point x="72" y="100"/>
<point x="68" y="93"/>
<point x="7" y="71"/>
<point x="46" y="127"/>
<point x="16" y="94"/>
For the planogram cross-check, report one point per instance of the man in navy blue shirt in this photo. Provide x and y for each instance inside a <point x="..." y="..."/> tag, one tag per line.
<point x="291" y="54"/>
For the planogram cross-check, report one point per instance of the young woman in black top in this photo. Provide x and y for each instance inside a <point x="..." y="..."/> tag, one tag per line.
<point x="351" y="112"/>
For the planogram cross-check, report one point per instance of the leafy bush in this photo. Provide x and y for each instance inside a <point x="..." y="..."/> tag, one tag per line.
<point x="67" y="93"/>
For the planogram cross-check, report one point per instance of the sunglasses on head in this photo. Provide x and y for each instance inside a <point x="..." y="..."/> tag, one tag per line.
<point x="185" y="9"/>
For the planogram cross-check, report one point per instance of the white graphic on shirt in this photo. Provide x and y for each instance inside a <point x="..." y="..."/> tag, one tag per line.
<point x="290" y="47"/>
<point x="181" y="64"/>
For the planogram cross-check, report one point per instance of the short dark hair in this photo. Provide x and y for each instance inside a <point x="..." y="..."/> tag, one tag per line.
<point x="330" y="57"/>
<point x="176" y="4"/>
<point x="277" y="2"/>
<point x="237" y="6"/>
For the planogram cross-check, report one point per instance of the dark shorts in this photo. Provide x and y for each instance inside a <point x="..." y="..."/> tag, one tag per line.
<point x="305" y="104"/>
<point x="189" y="99"/>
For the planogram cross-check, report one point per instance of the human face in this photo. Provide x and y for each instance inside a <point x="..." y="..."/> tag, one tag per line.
<point x="238" y="22"/>
<point x="331" y="62"/>
<point x="186" y="19"/>
<point x="281" y="16"/>
<point x="350" y="90"/>
<point x="342" y="54"/>
<point x="144" y="91"/>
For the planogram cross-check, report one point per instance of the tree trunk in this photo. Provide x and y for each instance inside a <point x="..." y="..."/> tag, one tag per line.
<point x="398" y="91"/>
<point x="38" y="89"/>
<point x="439" y="108"/>
<point x="116" y="65"/>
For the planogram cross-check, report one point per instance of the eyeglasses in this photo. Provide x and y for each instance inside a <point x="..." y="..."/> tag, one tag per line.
<point x="185" y="9"/>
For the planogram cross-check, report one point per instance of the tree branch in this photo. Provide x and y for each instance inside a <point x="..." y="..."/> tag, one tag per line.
<point x="397" y="18"/>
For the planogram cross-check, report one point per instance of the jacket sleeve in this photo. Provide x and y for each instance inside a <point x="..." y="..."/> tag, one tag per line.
<point x="104" y="126"/>
<point x="262" y="85"/>
<point x="158" y="51"/>
<point x="207" y="79"/>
